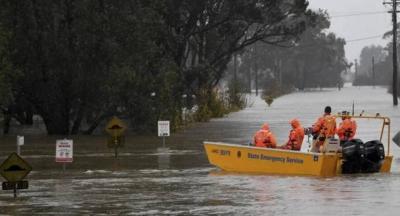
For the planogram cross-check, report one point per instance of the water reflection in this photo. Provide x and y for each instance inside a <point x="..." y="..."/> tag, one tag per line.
<point x="163" y="158"/>
<point x="149" y="180"/>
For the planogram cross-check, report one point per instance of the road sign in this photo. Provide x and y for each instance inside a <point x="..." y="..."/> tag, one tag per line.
<point x="116" y="142"/>
<point x="16" y="185"/>
<point x="115" y="127"/>
<point x="14" y="168"/>
<point x="20" y="140"/>
<point x="163" y="128"/>
<point x="64" y="151"/>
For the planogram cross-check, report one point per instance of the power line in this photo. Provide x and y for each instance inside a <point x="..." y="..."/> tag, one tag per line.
<point x="359" y="14"/>
<point x="364" y="38"/>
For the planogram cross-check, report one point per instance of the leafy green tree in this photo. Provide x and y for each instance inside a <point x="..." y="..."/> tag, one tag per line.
<point x="365" y="74"/>
<point x="81" y="62"/>
<point x="203" y="41"/>
<point x="315" y="59"/>
<point x="4" y="69"/>
<point x="5" y="88"/>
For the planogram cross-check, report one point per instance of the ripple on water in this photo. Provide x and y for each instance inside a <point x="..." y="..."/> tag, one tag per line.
<point x="186" y="188"/>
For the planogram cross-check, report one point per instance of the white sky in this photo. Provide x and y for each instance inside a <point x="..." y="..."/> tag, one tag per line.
<point x="346" y="24"/>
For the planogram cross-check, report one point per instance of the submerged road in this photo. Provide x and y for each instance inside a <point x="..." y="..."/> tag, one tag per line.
<point x="146" y="180"/>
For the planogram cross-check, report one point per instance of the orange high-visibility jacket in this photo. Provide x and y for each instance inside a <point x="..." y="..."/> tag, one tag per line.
<point x="316" y="127"/>
<point x="264" y="138"/>
<point x="296" y="136"/>
<point x="347" y="129"/>
<point x="325" y="126"/>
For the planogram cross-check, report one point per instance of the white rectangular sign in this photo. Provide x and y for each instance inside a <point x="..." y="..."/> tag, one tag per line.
<point x="64" y="151"/>
<point x="20" y="140"/>
<point x="163" y="128"/>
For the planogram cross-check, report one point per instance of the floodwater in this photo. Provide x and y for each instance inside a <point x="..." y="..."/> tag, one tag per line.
<point x="147" y="179"/>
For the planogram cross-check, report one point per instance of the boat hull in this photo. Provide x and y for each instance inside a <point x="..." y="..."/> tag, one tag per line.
<point x="249" y="159"/>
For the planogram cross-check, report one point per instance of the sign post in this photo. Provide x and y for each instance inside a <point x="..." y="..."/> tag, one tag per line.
<point x="116" y="128"/>
<point x="14" y="169"/>
<point x="20" y="142"/>
<point x="163" y="156"/>
<point x="64" y="152"/>
<point x="163" y="130"/>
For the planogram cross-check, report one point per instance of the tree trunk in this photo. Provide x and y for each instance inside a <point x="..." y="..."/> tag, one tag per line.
<point x="7" y="120"/>
<point x="77" y="123"/>
<point x="95" y="124"/>
<point x="56" y="123"/>
<point x="29" y="116"/>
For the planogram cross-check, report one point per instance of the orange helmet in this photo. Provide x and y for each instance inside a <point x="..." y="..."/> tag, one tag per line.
<point x="295" y="123"/>
<point x="265" y="126"/>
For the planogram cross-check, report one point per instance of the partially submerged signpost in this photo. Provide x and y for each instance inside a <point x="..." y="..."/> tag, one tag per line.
<point x="20" y="142"/>
<point x="64" y="152"/>
<point x="163" y="130"/>
<point x="116" y="128"/>
<point x="14" y="169"/>
<point x="163" y="156"/>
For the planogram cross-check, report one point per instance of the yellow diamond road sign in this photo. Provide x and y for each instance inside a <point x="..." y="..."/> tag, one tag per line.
<point x="115" y="127"/>
<point x="14" y="168"/>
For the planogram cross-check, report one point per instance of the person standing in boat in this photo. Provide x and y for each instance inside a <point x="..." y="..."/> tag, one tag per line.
<point x="323" y="128"/>
<point x="296" y="136"/>
<point x="347" y="128"/>
<point x="264" y="137"/>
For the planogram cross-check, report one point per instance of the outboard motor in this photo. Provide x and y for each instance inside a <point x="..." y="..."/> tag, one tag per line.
<point x="374" y="156"/>
<point x="359" y="157"/>
<point x="353" y="154"/>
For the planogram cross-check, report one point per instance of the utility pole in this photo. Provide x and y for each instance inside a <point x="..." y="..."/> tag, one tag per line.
<point x="234" y="67"/>
<point x="356" y="69"/>
<point x="373" y="72"/>
<point x="234" y="84"/>
<point x="249" y="79"/>
<point x="280" y="72"/>
<point x="394" y="83"/>
<point x="394" y="32"/>
<point x="256" y="67"/>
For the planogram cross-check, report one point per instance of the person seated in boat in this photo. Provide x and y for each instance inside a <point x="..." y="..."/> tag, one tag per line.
<point x="264" y="137"/>
<point x="323" y="128"/>
<point x="347" y="128"/>
<point x="296" y="136"/>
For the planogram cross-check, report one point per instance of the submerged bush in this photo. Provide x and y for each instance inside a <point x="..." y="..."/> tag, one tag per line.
<point x="236" y="99"/>
<point x="274" y="90"/>
<point x="216" y="103"/>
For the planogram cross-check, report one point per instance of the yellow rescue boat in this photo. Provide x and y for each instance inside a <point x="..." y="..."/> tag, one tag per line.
<point x="250" y="159"/>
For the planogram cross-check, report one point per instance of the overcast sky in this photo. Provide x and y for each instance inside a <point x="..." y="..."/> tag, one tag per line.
<point x="357" y="19"/>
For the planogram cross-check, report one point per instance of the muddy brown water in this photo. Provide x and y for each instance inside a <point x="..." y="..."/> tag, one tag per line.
<point x="147" y="180"/>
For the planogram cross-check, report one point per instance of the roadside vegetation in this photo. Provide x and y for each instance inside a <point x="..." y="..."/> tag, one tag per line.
<point x="375" y="67"/>
<point x="315" y="60"/>
<point x="77" y="63"/>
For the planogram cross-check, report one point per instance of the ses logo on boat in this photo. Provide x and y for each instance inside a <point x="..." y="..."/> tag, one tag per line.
<point x="260" y="156"/>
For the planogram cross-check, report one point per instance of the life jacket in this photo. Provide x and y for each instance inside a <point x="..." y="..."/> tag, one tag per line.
<point x="264" y="138"/>
<point x="317" y="126"/>
<point x="296" y="136"/>
<point x="329" y="126"/>
<point x="325" y="126"/>
<point x="347" y="129"/>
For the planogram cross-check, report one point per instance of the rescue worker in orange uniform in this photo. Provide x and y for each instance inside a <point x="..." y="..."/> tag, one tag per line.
<point x="296" y="136"/>
<point x="347" y="128"/>
<point x="264" y="137"/>
<point x="323" y="128"/>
